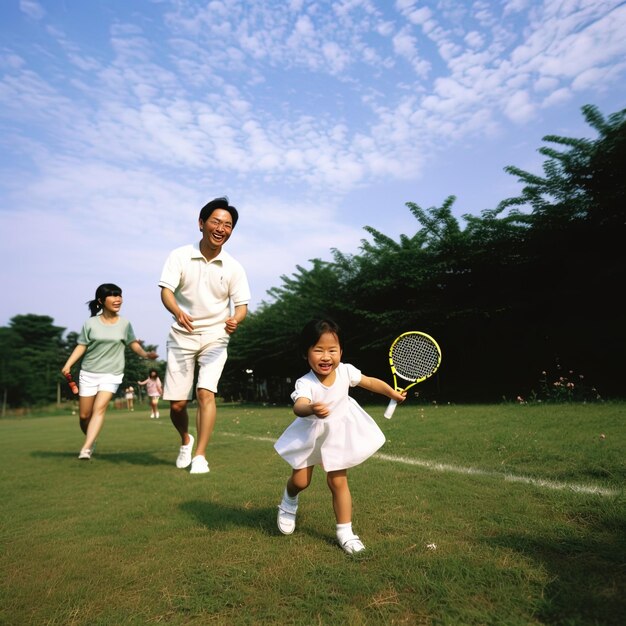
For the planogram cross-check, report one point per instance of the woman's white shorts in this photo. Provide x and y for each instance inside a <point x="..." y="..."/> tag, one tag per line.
<point x="89" y="383"/>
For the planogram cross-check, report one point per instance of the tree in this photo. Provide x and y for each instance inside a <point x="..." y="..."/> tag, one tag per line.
<point x="31" y="360"/>
<point x="533" y="280"/>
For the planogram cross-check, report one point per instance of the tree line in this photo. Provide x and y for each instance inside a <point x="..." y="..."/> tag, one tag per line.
<point x="32" y="351"/>
<point x="524" y="299"/>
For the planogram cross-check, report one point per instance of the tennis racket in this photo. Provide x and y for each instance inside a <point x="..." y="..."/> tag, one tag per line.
<point x="71" y="383"/>
<point x="413" y="357"/>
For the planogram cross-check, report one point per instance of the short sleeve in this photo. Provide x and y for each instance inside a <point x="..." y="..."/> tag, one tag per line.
<point x="130" y="334"/>
<point x="239" y="287"/>
<point x="303" y="390"/>
<point x="354" y="375"/>
<point x="171" y="272"/>
<point x="83" y="337"/>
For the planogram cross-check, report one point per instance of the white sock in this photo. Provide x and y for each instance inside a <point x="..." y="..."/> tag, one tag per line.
<point x="289" y="504"/>
<point x="344" y="532"/>
<point x="289" y="500"/>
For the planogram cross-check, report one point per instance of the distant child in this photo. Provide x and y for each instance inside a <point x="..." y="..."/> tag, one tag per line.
<point x="129" y="393"/>
<point x="154" y="390"/>
<point x="331" y="430"/>
<point x="101" y="345"/>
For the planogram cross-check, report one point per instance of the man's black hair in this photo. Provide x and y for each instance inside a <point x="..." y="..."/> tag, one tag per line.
<point x="219" y="203"/>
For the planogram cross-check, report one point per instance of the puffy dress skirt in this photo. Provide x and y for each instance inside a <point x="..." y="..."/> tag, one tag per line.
<point x="336" y="442"/>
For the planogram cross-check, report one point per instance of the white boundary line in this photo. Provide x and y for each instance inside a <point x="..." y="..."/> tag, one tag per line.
<point x="538" y="482"/>
<point x="457" y="469"/>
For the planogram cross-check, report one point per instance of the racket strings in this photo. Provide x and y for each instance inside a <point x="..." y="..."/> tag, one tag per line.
<point x="414" y="357"/>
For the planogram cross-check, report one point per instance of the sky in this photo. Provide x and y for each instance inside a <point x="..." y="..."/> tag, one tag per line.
<point x="120" y="119"/>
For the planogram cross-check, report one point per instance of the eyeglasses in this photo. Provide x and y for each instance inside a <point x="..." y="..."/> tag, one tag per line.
<point x="217" y="223"/>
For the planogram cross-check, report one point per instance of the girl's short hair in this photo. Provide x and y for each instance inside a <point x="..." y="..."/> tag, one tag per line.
<point x="102" y="293"/>
<point x="314" y="329"/>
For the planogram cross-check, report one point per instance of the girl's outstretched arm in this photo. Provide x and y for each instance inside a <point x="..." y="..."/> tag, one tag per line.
<point x="137" y="348"/>
<point x="380" y="386"/>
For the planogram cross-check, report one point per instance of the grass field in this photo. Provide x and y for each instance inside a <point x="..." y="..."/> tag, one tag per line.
<point x="499" y="515"/>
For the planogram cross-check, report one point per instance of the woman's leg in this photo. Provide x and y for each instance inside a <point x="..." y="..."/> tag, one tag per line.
<point x="100" y="405"/>
<point x="85" y="409"/>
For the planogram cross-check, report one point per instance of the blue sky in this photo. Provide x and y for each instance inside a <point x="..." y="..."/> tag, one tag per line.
<point x="120" y="119"/>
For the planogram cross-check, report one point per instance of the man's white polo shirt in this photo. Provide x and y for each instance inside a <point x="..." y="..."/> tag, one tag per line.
<point x="205" y="289"/>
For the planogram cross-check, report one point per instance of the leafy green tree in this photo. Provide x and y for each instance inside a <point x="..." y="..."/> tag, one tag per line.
<point x="533" y="281"/>
<point x="32" y="350"/>
<point x="267" y="342"/>
<point x="573" y="262"/>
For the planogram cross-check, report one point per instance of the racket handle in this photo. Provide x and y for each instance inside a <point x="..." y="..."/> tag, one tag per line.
<point x="390" y="409"/>
<point x="71" y="383"/>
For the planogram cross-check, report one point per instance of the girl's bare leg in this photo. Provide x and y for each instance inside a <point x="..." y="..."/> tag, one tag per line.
<point x="342" y="498"/>
<point x="342" y="503"/>
<point x="299" y="480"/>
<point x="288" y="507"/>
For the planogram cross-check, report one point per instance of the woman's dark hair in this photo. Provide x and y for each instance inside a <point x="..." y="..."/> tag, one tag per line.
<point x="102" y="293"/>
<point x="313" y="330"/>
<point x="153" y="371"/>
<point x="219" y="203"/>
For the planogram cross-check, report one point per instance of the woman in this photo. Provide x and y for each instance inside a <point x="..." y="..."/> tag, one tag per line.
<point x="101" y="344"/>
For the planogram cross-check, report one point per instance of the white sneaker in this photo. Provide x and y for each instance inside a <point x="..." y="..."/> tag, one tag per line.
<point x="157" y="415"/>
<point x="151" y="416"/>
<point x="184" y="454"/>
<point x="353" y="545"/>
<point x="199" y="465"/>
<point x="286" y="519"/>
<point x="85" y="454"/>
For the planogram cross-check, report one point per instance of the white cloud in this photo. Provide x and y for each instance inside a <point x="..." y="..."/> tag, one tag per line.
<point x="557" y="97"/>
<point x="519" y="107"/>
<point x="294" y="109"/>
<point x="33" y="9"/>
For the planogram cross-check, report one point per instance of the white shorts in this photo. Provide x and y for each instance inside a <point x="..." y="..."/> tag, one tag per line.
<point x="89" y="383"/>
<point x="184" y="351"/>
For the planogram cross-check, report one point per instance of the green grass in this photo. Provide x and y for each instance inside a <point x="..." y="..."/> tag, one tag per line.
<point x="525" y="505"/>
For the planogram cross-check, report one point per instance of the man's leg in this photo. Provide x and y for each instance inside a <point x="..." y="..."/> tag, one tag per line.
<point x="205" y="419"/>
<point x="179" y="376"/>
<point x="180" y="419"/>
<point x="211" y="361"/>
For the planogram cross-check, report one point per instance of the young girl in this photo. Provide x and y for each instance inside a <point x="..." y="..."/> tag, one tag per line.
<point x="101" y="345"/>
<point x="155" y="390"/>
<point x="331" y="430"/>
<point x="129" y="392"/>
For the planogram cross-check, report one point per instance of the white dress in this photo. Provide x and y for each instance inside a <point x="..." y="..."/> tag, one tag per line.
<point x="345" y="438"/>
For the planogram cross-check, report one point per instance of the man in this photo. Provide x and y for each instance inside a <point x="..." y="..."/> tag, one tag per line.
<point x="207" y="292"/>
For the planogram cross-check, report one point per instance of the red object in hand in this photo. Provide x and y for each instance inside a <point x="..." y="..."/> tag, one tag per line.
<point x="71" y="383"/>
